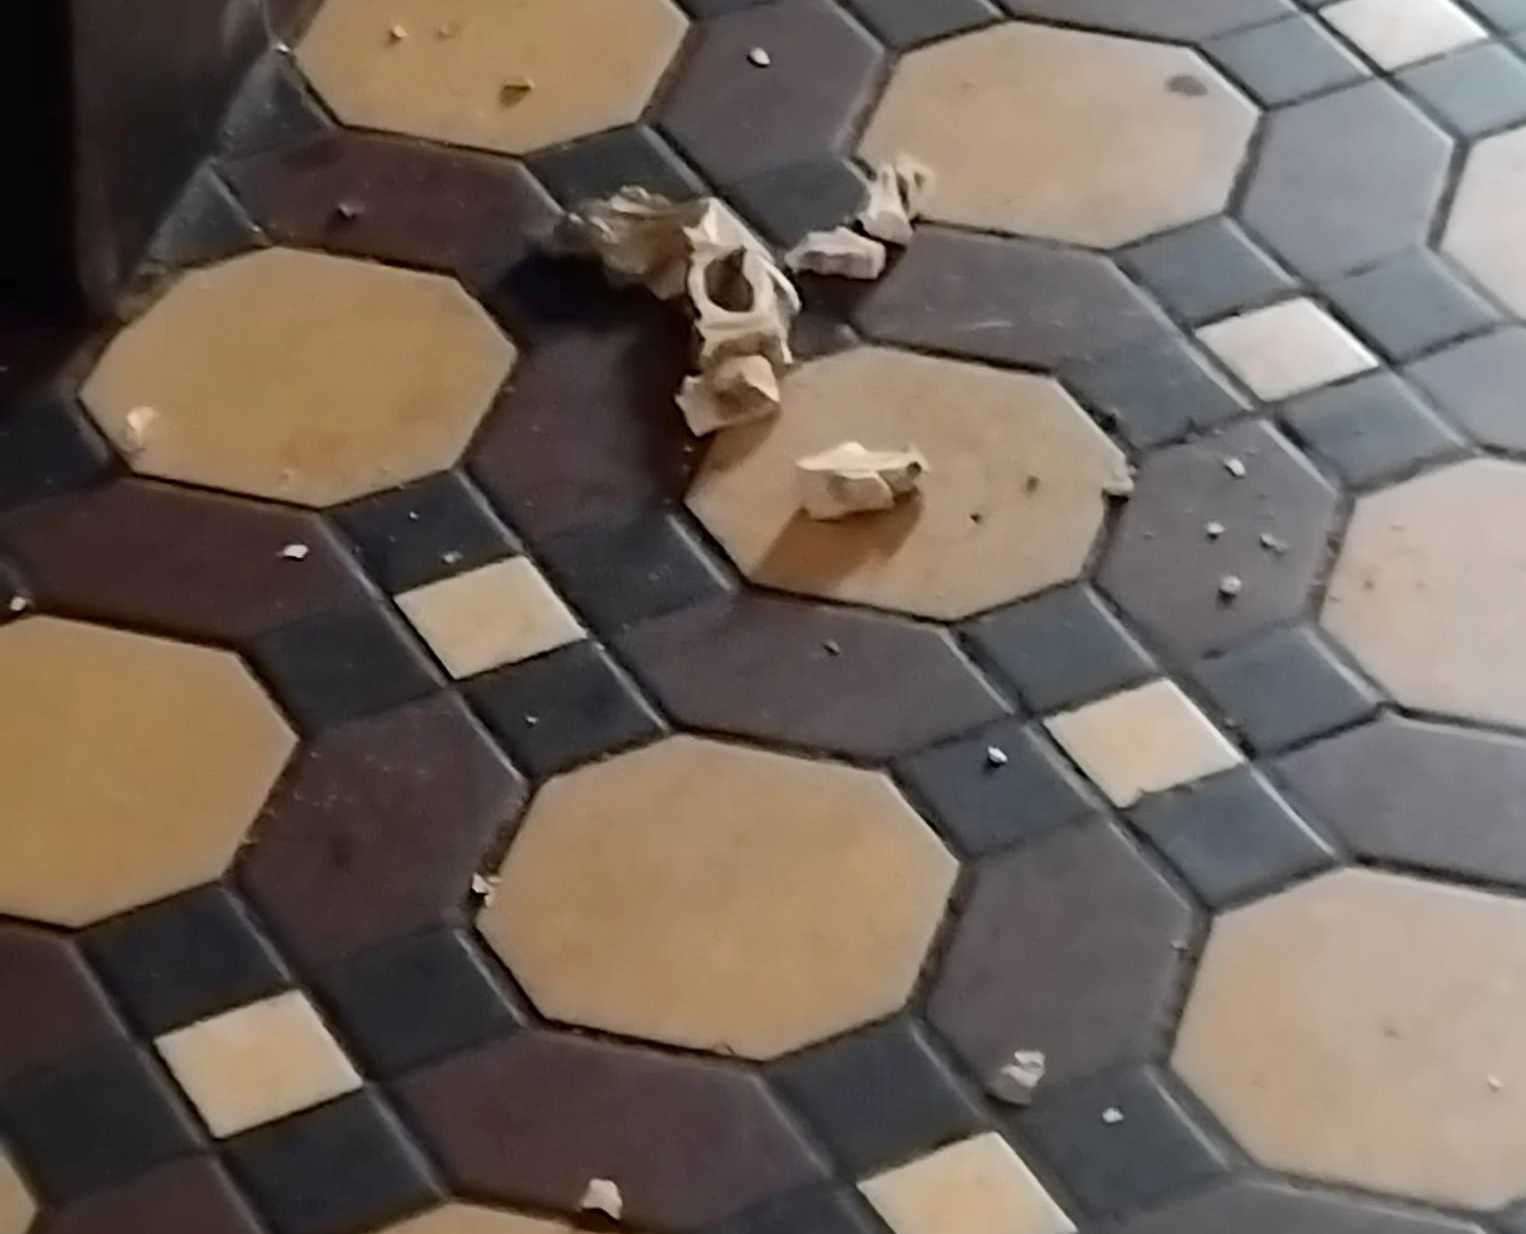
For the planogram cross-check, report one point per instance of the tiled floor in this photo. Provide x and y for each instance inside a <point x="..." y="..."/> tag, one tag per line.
<point x="434" y="783"/>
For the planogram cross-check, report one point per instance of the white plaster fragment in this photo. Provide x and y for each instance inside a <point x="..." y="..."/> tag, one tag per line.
<point x="1015" y="1080"/>
<point x="839" y="252"/>
<point x="850" y="479"/>
<point x="602" y="1196"/>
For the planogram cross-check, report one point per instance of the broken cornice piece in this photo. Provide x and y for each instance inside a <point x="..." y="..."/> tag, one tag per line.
<point x="898" y="193"/>
<point x="736" y="390"/>
<point x="738" y="306"/>
<point x="850" y="479"/>
<point x="839" y="252"/>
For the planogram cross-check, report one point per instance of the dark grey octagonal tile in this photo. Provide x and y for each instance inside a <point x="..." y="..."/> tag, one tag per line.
<point x="1369" y="429"/>
<point x="1167" y="19"/>
<point x="1205" y="270"/>
<point x="1478" y="384"/>
<point x="1410" y="303"/>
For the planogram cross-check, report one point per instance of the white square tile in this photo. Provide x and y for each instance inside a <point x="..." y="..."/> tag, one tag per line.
<point x="257" y="1063"/>
<point x="1286" y="348"/>
<point x="1394" y="33"/>
<point x="1143" y="740"/>
<point x="497" y="614"/>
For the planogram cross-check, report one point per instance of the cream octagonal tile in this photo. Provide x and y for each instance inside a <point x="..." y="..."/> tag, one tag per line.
<point x="132" y="766"/>
<point x="717" y="897"/>
<point x="509" y="75"/>
<point x="300" y="376"/>
<point x="17" y="1208"/>
<point x="1429" y="589"/>
<point x="471" y="1219"/>
<point x="1484" y="232"/>
<point x="1074" y="136"/>
<point x="1365" y="1028"/>
<point x="1012" y="500"/>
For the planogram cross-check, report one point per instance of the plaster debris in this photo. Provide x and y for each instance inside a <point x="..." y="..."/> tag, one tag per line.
<point x="1112" y="1116"/>
<point x="996" y="756"/>
<point x="1273" y="544"/>
<point x="514" y="90"/>
<point x="1015" y="1080"/>
<point x="1119" y="482"/>
<point x="396" y="34"/>
<point x="1213" y="530"/>
<point x="1235" y="467"/>
<point x="295" y="552"/>
<point x="898" y="194"/>
<point x="447" y="30"/>
<point x="140" y="422"/>
<point x="739" y="306"/>
<point x="850" y="479"/>
<point x="485" y="887"/>
<point x="349" y="211"/>
<point x="1230" y="586"/>
<point x="602" y="1196"/>
<point x="1495" y="1084"/>
<point x="19" y="604"/>
<point x="839" y="252"/>
<point x="760" y="57"/>
<point x="832" y="647"/>
<point x="735" y="391"/>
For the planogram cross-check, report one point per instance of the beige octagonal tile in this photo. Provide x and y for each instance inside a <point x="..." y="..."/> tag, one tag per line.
<point x="717" y="897"/>
<point x="17" y="1208"/>
<point x="1083" y="137"/>
<point x="1365" y="1028"/>
<point x="509" y="75"/>
<point x="1484" y="232"/>
<point x="472" y="1219"/>
<point x="300" y="376"/>
<point x="132" y="766"/>
<point x="1011" y="503"/>
<point x="1430" y="586"/>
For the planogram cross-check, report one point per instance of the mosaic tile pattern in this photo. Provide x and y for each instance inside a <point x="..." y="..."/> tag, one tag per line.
<point x="434" y="781"/>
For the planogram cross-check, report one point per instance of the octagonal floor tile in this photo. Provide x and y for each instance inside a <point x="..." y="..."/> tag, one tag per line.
<point x="1133" y="137"/>
<point x="982" y="531"/>
<point x="16" y="1204"/>
<point x="1365" y="1028"/>
<point x="1163" y="19"/>
<point x="1484" y="232"/>
<point x="1428" y="590"/>
<point x="1253" y="1206"/>
<point x="131" y="772"/>
<point x="300" y="376"/>
<point x="720" y="898"/>
<point x="472" y="1219"/>
<point x="509" y="77"/>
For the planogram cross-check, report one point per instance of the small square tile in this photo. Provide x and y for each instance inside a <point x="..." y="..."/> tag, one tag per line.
<point x="1411" y="303"/>
<point x="623" y="574"/>
<point x="1283" y="688"/>
<point x="343" y="1167"/>
<point x="816" y="1210"/>
<point x="183" y="958"/>
<point x="905" y="23"/>
<point x="562" y="709"/>
<point x="496" y="614"/>
<point x="46" y="448"/>
<point x="257" y="1063"/>
<point x="416" y="999"/>
<point x="1399" y="32"/>
<point x="1285" y="60"/>
<point x="1155" y="392"/>
<point x="1477" y="384"/>
<point x="272" y="108"/>
<point x="978" y="1186"/>
<point x="876" y="1095"/>
<point x="605" y="163"/>
<point x="1285" y="349"/>
<point x="815" y="194"/>
<point x="1231" y="835"/>
<point x="1143" y="740"/>
<point x="92" y="1122"/>
<point x="1206" y="270"/>
<point x="1112" y="1164"/>
<point x="341" y="664"/>
<point x="1369" y="429"/>
<point x="205" y="224"/>
<point x="1059" y="648"/>
<point x="985" y="806"/>
<point x="1475" y="90"/>
<point x="424" y="531"/>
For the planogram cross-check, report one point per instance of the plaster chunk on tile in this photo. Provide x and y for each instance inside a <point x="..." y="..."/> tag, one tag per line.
<point x="1286" y="349"/>
<point x="850" y="479"/>
<point x="1398" y="32"/>
<point x="840" y="253"/>
<point x="257" y="1063"/>
<point x="603" y="1196"/>
<point x="17" y="1208"/>
<point x="977" y="1186"/>
<point x="898" y="194"/>
<point x="736" y="390"/>
<point x="742" y="304"/>
<point x="1143" y="740"/>
<point x="1015" y="1081"/>
<point x="496" y="614"/>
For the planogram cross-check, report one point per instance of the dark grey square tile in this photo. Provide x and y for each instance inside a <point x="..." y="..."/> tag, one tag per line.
<point x="1475" y="90"/>
<point x="1370" y="428"/>
<point x="1261" y="1206"/>
<point x="816" y="1210"/>
<point x="1503" y="15"/>
<point x="1155" y="392"/>
<point x="984" y="805"/>
<point x="1285" y="60"/>
<point x="1410" y="303"/>
<point x="1478" y="384"/>
<point x="1231" y="835"/>
<point x="620" y="575"/>
<point x="607" y="162"/>
<point x="342" y="1167"/>
<point x="1177" y="20"/>
<point x="562" y="708"/>
<point x="1205" y="270"/>
<point x="414" y="999"/>
<point x="1058" y="648"/>
<point x="905" y="23"/>
<point x="272" y="108"/>
<point x="184" y="958"/>
<point x="46" y="448"/>
<point x="1112" y="1164"/>
<point x="815" y="194"/>
<point x="876" y="1096"/>
<point x="341" y="664"/>
<point x="205" y="224"/>
<point x="93" y="1121"/>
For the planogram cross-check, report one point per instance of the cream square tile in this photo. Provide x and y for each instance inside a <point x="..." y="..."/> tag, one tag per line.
<point x="1286" y="348"/>
<point x="496" y="614"/>
<point x="1398" y="32"/>
<point x="1143" y="740"/>
<point x="257" y="1063"/>
<point x="977" y="1186"/>
<point x="17" y="1207"/>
